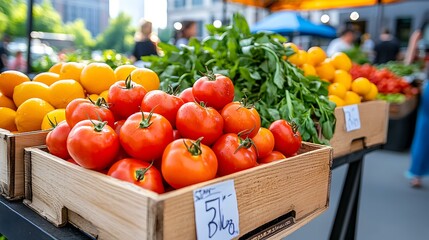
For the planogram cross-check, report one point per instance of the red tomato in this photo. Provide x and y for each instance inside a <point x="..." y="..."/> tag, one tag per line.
<point x="70" y="160"/>
<point x="83" y="109"/>
<point x="162" y="103"/>
<point x="145" y="135"/>
<point x="194" y="121"/>
<point x="264" y="142"/>
<point x="176" y="134"/>
<point x="287" y="138"/>
<point x="240" y="117"/>
<point x="271" y="157"/>
<point x="121" y="153"/>
<point x="56" y="140"/>
<point x="214" y="89"/>
<point x="234" y="154"/>
<point x="142" y="174"/>
<point x="118" y="125"/>
<point x="186" y="162"/>
<point x="125" y="98"/>
<point x="187" y="95"/>
<point x="93" y="144"/>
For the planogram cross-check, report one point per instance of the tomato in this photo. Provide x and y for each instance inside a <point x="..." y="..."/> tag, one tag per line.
<point x="125" y="98"/>
<point x="118" y="125"/>
<point x="271" y="157"/>
<point x="162" y="103"/>
<point x="234" y="154"/>
<point x="287" y="138"/>
<point x="93" y="144"/>
<point x="187" y="95"/>
<point x="70" y="160"/>
<point x="264" y="142"/>
<point x="241" y="117"/>
<point x="176" y="134"/>
<point x="83" y="109"/>
<point x="142" y="174"/>
<point x="194" y="121"/>
<point x="145" y="135"/>
<point x="214" y="90"/>
<point x="186" y="162"/>
<point x="56" y="140"/>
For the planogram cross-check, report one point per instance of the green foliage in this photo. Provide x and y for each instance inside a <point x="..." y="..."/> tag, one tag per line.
<point x="117" y="35"/>
<point x="46" y="19"/>
<point x="41" y="64"/>
<point x="83" y="38"/>
<point x="400" y="69"/>
<point x="255" y="64"/>
<point x="357" y="56"/>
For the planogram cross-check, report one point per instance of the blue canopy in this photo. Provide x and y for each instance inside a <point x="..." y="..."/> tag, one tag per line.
<point x="286" y="23"/>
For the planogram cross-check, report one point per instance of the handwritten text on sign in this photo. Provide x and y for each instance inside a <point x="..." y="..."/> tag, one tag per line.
<point x="351" y="115"/>
<point x="216" y="211"/>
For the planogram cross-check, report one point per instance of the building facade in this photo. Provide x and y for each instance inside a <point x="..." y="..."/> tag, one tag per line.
<point x="95" y="13"/>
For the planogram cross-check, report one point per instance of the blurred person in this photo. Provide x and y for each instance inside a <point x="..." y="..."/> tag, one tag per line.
<point x="341" y="44"/>
<point x="367" y="46"/>
<point x="189" y="30"/>
<point x="19" y="63"/>
<point x="387" y="49"/>
<point x="4" y="53"/>
<point x="419" y="166"/>
<point x="144" y="42"/>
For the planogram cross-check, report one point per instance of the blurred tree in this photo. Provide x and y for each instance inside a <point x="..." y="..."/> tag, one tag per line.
<point x="5" y="9"/>
<point x="83" y="38"/>
<point x="118" y="35"/>
<point x="46" y="18"/>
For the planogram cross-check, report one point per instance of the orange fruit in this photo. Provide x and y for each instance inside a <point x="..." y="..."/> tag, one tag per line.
<point x="97" y="77"/>
<point x="6" y="102"/>
<point x="339" y="102"/>
<point x="7" y="120"/>
<point x="343" y="77"/>
<point x="352" y="98"/>
<point x="9" y="80"/>
<point x="372" y="93"/>
<point x="308" y="69"/>
<point x="71" y="70"/>
<point x="56" y="116"/>
<point x="340" y="60"/>
<point x="56" y="68"/>
<point x="145" y="77"/>
<point x="298" y="58"/>
<point x="361" y="86"/>
<point x="316" y="55"/>
<point x="122" y="72"/>
<point x="104" y="94"/>
<point x="63" y="92"/>
<point x="30" y="113"/>
<point x="27" y="90"/>
<point x="337" y="89"/>
<point x="291" y="45"/>
<point x="325" y="70"/>
<point x="47" y="78"/>
<point x="93" y="97"/>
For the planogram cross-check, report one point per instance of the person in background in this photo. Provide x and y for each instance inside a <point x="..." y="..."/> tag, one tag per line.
<point x="189" y="29"/>
<point x="4" y="53"/>
<point x="341" y="44"/>
<point x="367" y="46"/>
<point x="387" y="49"/>
<point x="144" y="42"/>
<point x="19" y="63"/>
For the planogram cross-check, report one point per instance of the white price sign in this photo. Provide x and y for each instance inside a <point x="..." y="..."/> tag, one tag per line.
<point x="351" y="115"/>
<point x="216" y="211"/>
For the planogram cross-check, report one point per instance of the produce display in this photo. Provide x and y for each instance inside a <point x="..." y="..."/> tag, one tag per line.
<point x="31" y="105"/>
<point x="173" y="141"/>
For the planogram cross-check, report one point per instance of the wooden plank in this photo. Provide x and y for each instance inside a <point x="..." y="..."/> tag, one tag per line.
<point x="374" y="117"/>
<point x="12" y="160"/>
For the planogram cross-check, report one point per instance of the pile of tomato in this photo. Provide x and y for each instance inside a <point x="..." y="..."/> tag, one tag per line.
<point x="386" y="81"/>
<point x="160" y="141"/>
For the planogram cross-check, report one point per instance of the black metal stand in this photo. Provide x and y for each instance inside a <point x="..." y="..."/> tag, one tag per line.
<point x="348" y="208"/>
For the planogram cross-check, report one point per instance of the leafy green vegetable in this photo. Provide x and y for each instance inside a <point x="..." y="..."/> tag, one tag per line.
<point x="392" y="97"/>
<point x="255" y="64"/>
<point x="400" y="69"/>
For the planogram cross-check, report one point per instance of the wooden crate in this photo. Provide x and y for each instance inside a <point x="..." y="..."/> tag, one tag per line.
<point x="108" y="208"/>
<point x="374" y="119"/>
<point x="12" y="160"/>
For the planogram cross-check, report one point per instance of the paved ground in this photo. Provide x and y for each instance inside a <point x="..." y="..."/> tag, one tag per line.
<point x="389" y="208"/>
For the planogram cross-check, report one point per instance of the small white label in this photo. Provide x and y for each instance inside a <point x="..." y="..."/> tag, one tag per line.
<point x="216" y="211"/>
<point x="351" y="115"/>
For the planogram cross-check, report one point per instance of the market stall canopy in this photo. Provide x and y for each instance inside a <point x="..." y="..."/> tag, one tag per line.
<point x="285" y="23"/>
<point x="276" y="5"/>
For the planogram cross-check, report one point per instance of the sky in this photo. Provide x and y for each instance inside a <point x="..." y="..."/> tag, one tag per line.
<point x="154" y="10"/>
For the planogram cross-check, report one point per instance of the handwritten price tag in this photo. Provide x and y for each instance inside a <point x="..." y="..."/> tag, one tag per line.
<point x="216" y="211"/>
<point x="351" y="115"/>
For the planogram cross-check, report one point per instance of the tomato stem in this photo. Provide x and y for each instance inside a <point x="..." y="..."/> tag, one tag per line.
<point x="101" y="102"/>
<point x="209" y="74"/>
<point x="98" y="127"/>
<point x="145" y="123"/>
<point x="53" y="124"/>
<point x="128" y="83"/>
<point x="246" y="143"/>
<point x="142" y="171"/>
<point x="294" y="127"/>
<point x="195" y="148"/>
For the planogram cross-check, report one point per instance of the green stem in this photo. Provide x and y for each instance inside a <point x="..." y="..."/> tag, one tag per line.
<point x="195" y="148"/>
<point x="145" y="123"/>
<point x="142" y="171"/>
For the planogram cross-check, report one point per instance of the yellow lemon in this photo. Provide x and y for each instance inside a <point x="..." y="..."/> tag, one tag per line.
<point x="372" y="93"/>
<point x="61" y="93"/>
<point x="308" y="69"/>
<point x="325" y="70"/>
<point x="337" y="89"/>
<point x="71" y="70"/>
<point x="316" y="55"/>
<point x="30" y="114"/>
<point x="56" y="116"/>
<point x="352" y="98"/>
<point x="27" y="90"/>
<point x="145" y="77"/>
<point x="298" y="58"/>
<point x="47" y="78"/>
<point x="340" y="60"/>
<point x="343" y="77"/>
<point x="97" y="77"/>
<point x="6" y="102"/>
<point x="56" y="68"/>
<point x="9" y="80"/>
<point x="361" y="86"/>
<point x="7" y="119"/>
<point x="335" y="99"/>
<point x="122" y="72"/>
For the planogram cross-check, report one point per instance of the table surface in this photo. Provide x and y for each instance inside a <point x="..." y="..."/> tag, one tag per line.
<point x="15" y="215"/>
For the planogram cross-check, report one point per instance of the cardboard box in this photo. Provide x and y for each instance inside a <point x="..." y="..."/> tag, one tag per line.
<point x="296" y="188"/>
